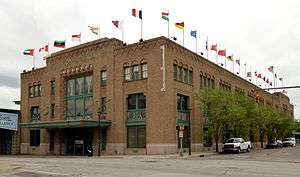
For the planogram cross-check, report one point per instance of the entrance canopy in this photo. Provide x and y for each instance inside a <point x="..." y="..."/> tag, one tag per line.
<point x="66" y="124"/>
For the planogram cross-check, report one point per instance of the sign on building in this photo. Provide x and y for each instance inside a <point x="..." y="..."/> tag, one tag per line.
<point x="8" y="121"/>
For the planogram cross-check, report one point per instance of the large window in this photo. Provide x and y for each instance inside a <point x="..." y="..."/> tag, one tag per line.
<point x="182" y="103"/>
<point x="35" y="113"/>
<point x="103" y="78"/>
<point x="136" y="136"/>
<point x="79" y="97"/>
<point x="35" y="137"/>
<point x="136" y="101"/>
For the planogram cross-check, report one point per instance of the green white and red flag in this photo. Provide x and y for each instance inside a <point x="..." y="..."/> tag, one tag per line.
<point x="28" y="52"/>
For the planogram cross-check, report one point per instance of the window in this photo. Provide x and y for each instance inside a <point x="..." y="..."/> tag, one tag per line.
<point x="190" y="77"/>
<point x="180" y="70"/>
<point x="136" y="101"/>
<point x="103" y="77"/>
<point x="52" y="110"/>
<point x="175" y="72"/>
<point x="31" y="91"/>
<point x="182" y="103"/>
<point x="35" y="137"/>
<point x="127" y="74"/>
<point x="52" y="85"/>
<point x="36" y="90"/>
<point x="136" y="136"/>
<point x="88" y="85"/>
<point x="79" y="97"/>
<point x="186" y="73"/>
<point x="35" y="113"/>
<point x="144" y="71"/>
<point x="103" y="105"/>
<point x="136" y="72"/>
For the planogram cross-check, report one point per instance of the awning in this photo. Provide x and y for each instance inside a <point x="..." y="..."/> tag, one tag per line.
<point x="66" y="124"/>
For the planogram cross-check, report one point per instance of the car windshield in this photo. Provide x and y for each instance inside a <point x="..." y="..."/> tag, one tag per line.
<point x="286" y="139"/>
<point x="233" y="140"/>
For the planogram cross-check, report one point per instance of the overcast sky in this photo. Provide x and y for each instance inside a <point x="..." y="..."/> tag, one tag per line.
<point x="259" y="32"/>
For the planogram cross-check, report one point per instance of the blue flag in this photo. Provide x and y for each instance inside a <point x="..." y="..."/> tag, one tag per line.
<point x="194" y="33"/>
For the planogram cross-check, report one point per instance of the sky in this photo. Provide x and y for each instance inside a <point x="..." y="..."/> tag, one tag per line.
<point x="259" y="33"/>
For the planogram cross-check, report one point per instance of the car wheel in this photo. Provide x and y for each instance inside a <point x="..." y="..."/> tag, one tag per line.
<point x="248" y="149"/>
<point x="239" y="150"/>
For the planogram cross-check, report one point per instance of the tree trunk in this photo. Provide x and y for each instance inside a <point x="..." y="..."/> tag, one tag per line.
<point x="261" y="134"/>
<point x="217" y="144"/>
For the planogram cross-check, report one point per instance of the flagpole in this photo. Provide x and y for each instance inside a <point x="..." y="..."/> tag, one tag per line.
<point x="169" y="27"/>
<point x="196" y="43"/>
<point x="141" y="24"/>
<point x="245" y="69"/>
<point x="217" y="57"/>
<point x="33" y="60"/>
<point x="122" y="30"/>
<point x="99" y="32"/>
<point x="225" y="63"/>
<point x="233" y="66"/>
<point x="206" y="47"/>
<point x="183" y="37"/>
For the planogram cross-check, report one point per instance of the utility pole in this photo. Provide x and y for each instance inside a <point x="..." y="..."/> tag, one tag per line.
<point x="189" y="132"/>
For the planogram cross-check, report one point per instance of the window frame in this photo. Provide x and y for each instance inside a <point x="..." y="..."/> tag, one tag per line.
<point x="34" y="138"/>
<point x="104" y="78"/>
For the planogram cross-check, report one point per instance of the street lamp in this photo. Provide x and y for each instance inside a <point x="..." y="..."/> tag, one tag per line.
<point x="189" y="131"/>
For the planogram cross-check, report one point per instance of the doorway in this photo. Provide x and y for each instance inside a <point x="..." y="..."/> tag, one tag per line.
<point x="78" y="141"/>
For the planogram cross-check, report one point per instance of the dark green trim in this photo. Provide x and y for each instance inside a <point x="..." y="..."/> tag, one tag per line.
<point x="66" y="124"/>
<point x="182" y="122"/>
<point x="136" y="117"/>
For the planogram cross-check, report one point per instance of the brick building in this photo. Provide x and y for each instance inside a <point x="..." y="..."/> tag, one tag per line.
<point x="124" y="99"/>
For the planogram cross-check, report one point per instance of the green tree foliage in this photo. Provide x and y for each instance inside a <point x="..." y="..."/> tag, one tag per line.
<point x="235" y="115"/>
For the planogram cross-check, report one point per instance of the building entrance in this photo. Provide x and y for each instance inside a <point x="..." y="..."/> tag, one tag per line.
<point x="5" y="141"/>
<point x="78" y="141"/>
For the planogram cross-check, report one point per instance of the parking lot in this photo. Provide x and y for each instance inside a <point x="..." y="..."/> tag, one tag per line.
<point x="268" y="162"/>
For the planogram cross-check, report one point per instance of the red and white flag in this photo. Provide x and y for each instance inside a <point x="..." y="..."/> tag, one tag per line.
<point x="44" y="49"/>
<point x="222" y="53"/>
<point x="271" y="69"/>
<point x="214" y="47"/>
<point x="76" y="37"/>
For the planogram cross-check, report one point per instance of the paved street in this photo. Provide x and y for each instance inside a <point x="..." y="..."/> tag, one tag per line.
<point x="275" y="162"/>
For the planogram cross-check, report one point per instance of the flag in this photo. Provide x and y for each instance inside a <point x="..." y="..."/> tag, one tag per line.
<point x="271" y="68"/>
<point x="249" y="74"/>
<point x="264" y="78"/>
<point x="140" y="14"/>
<point x="275" y="75"/>
<point x="45" y="48"/>
<point x="230" y="57"/>
<point x="214" y="47"/>
<point x="222" y="53"/>
<point x="271" y="83"/>
<point x="60" y="44"/>
<point x="255" y="73"/>
<point x="194" y="33"/>
<point x="133" y="12"/>
<point x="94" y="29"/>
<point x="259" y="75"/>
<point x="238" y="61"/>
<point x="180" y="25"/>
<point x="267" y="81"/>
<point x="206" y="44"/>
<point x="28" y="52"/>
<point x="117" y="24"/>
<point x="76" y="37"/>
<point x="281" y="79"/>
<point x="165" y="15"/>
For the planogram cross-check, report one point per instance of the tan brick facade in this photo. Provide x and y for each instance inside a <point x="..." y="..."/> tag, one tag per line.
<point x="160" y="113"/>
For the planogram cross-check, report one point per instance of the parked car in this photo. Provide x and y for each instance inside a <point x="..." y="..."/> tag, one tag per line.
<point x="274" y="144"/>
<point x="237" y="145"/>
<point x="289" y="142"/>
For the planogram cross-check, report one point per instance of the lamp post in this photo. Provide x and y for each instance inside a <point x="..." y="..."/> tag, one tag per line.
<point x="99" y="127"/>
<point x="189" y="131"/>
